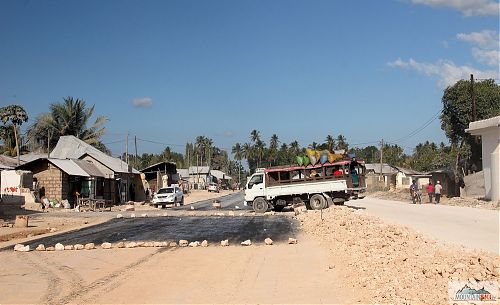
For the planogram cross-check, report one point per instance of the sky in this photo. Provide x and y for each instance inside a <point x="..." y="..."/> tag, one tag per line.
<point x="168" y="71"/>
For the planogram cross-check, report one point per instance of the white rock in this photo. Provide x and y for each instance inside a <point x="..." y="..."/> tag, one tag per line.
<point x="25" y="249"/>
<point x="59" y="247"/>
<point x="164" y="244"/>
<point x="148" y="244"/>
<point x="120" y="244"/>
<point x="132" y="215"/>
<point x="157" y="244"/>
<point x="50" y="249"/>
<point x="246" y="243"/>
<point x="204" y="243"/>
<point x="183" y="243"/>
<point x="140" y="244"/>
<point x="106" y="245"/>
<point x="18" y="247"/>
<point x="52" y="230"/>
<point x="119" y="216"/>
<point x="40" y="247"/>
<point x="194" y="244"/>
<point x="89" y="246"/>
<point x="172" y="244"/>
<point x="131" y="245"/>
<point x="236" y="207"/>
<point x="144" y="215"/>
<point x="165" y="214"/>
<point x="69" y="247"/>
<point x="192" y="207"/>
<point x="224" y="243"/>
<point x="292" y="241"/>
<point x="268" y="241"/>
<point x="79" y="247"/>
<point x="231" y="213"/>
<point x="245" y="203"/>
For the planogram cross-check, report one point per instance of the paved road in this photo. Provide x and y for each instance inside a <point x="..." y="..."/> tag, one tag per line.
<point x="230" y="202"/>
<point x="469" y="227"/>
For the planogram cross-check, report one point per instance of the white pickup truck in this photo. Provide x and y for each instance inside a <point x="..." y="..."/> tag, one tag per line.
<point x="318" y="186"/>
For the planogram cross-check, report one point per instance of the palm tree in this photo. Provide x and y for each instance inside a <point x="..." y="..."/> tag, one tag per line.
<point x="255" y="136"/>
<point x="342" y="143"/>
<point x="273" y="148"/>
<point x="330" y="142"/>
<point x="238" y="154"/>
<point x="17" y="116"/>
<point x="71" y="117"/>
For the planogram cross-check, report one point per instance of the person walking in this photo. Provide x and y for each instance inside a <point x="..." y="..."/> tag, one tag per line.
<point x="437" y="191"/>
<point x="430" y="191"/>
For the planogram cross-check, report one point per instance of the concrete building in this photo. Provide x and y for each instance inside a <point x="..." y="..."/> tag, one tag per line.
<point x="489" y="131"/>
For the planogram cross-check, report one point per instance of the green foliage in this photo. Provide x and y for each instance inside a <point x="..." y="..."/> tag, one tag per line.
<point x="369" y="154"/>
<point x="71" y="117"/>
<point x="457" y="106"/>
<point x="16" y="115"/>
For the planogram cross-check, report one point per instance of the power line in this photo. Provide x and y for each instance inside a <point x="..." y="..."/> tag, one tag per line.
<point x="416" y="131"/>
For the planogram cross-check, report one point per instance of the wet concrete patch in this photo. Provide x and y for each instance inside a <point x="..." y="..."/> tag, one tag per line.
<point x="213" y="229"/>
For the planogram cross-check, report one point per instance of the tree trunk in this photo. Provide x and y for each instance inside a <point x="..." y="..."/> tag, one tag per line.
<point x="17" y="144"/>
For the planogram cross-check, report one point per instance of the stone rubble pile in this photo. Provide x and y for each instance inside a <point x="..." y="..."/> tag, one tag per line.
<point x="393" y="264"/>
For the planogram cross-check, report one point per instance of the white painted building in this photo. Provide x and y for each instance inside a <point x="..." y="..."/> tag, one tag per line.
<point x="489" y="130"/>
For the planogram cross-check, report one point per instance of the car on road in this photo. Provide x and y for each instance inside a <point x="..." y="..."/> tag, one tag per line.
<point x="213" y="187"/>
<point x="168" y="196"/>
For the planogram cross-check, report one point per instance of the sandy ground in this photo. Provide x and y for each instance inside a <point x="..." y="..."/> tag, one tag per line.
<point x="464" y="226"/>
<point x="403" y="196"/>
<point x="389" y="263"/>
<point x="280" y="273"/>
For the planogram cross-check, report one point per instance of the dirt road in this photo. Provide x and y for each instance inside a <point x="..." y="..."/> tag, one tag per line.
<point x="468" y="227"/>
<point x="280" y="273"/>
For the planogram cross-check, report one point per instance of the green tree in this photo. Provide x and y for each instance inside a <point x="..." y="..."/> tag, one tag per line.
<point x="342" y="143"/>
<point x="457" y="114"/>
<point x="238" y="155"/>
<point x="273" y="149"/>
<point x="16" y="115"/>
<point x="71" y="117"/>
<point x="329" y="142"/>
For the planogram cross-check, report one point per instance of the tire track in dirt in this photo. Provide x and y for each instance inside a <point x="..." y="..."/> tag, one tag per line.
<point x="85" y="294"/>
<point x="51" y="279"/>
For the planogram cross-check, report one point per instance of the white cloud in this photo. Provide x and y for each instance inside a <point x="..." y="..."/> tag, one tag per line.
<point x="143" y="102"/>
<point x="485" y="39"/>
<point x="487" y="57"/>
<point x="446" y="72"/>
<point x="467" y="7"/>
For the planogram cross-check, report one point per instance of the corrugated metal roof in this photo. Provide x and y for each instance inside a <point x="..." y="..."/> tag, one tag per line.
<point x="70" y="147"/>
<point x="69" y="167"/>
<point x="220" y="174"/>
<point x="8" y="162"/>
<point x="89" y="168"/>
<point x="386" y="168"/>
<point x="193" y="170"/>
<point x="183" y="172"/>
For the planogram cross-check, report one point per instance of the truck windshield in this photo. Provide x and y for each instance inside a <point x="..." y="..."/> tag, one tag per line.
<point x="255" y="180"/>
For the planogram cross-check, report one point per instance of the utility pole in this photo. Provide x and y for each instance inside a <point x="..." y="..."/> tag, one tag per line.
<point x="126" y="149"/>
<point x="48" y="144"/>
<point x="136" y="157"/>
<point x="381" y="158"/>
<point x="473" y="96"/>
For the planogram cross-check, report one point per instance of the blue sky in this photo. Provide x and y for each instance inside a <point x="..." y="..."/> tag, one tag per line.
<point x="168" y="71"/>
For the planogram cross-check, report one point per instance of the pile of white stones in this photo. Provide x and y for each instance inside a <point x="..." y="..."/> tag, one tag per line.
<point x="136" y="244"/>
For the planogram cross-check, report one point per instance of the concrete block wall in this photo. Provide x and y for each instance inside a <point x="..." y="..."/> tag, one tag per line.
<point x="51" y="178"/>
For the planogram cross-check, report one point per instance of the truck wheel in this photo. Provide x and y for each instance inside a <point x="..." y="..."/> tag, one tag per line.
<point x="260" y="205"/>
<point x="317" y="202"/>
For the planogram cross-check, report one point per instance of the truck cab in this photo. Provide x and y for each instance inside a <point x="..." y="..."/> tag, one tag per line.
<point x="255" y="187"/>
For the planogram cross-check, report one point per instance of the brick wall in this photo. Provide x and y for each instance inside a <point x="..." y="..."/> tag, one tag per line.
<point x="52" y="179"/>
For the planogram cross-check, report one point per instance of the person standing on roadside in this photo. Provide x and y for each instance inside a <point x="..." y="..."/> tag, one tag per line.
<point x="437" y="191"/>
<point x="430" y="191"/>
